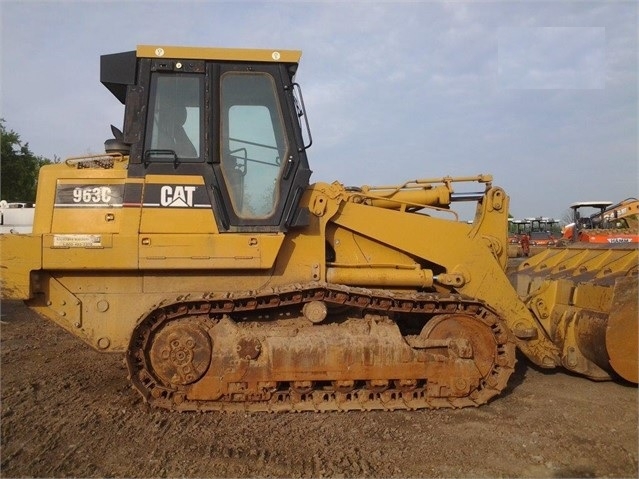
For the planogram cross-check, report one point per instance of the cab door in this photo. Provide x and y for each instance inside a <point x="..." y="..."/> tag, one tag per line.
<point x="260" y="165"/>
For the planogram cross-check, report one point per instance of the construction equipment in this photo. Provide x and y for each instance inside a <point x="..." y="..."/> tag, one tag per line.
<point x="543" y="233"/>
<point x="518" y="239"/>
<point x="624" y="214"/>
<point x="530" y="235"/>
<point x="543" y="224"/>
<point x="197" y="247"/>
<point x="585" y="290"/>
<point x="609" y="224"/>
<point x="542" y="238"/>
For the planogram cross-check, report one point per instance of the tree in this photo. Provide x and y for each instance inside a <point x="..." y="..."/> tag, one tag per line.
<point x="19" y="167"/>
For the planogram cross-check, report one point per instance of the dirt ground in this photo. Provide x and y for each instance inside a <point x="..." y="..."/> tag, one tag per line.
<point x="69" y="411"/>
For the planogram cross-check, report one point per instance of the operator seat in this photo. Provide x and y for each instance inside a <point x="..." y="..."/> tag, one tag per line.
<point x="183" y="145"/>
<point x="171" y="134"/>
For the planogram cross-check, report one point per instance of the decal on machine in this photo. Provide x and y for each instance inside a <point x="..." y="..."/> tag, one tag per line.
<point x="619" y="240"/>
<point x="176" y="196"/>
<point x="89" y="196"/>
<point x="77" y="241"/>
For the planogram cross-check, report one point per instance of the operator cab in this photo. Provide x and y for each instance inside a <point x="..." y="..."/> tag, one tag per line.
<point x="592" y="220"/>
<point x="231" y="116"/>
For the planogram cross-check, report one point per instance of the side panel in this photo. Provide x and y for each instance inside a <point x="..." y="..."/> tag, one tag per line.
<point x="178" y="230"/>
<point x="88" y="205"/>
<point x="79" y="251"/>
<point x="19" y="255"/>
<point x="88" y="218"/>
<point x="101" y="309"/>
<point x="175" y="204"/>
<point x="209" y="251"/>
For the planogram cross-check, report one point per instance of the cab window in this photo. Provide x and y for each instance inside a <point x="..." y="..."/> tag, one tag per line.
<point x="253" y="143"/>
<point x="174" y="118"/>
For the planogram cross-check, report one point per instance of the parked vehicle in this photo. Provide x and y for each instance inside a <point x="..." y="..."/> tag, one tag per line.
<point x="197" y="247"/>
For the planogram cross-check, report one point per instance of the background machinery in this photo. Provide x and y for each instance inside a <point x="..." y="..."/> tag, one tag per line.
<point x="626" y="210"/>
<point x="518" y="240"/>
<point x="197" y="247"/>
<point x="544" y="232"/>
<point x="531" y="235"/>
<point x="609" y="224"/>
<point x="16" y="217"/>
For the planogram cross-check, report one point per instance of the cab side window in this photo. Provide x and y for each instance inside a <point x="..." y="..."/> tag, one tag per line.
<point x="174" y="118"/>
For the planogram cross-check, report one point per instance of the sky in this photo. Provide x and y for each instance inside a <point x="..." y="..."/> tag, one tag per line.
<point x="540" y="94"/>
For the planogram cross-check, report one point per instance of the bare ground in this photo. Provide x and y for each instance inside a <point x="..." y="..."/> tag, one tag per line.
<point x="69" y="411"/>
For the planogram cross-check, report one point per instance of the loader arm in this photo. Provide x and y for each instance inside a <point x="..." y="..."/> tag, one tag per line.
<point x="469" y="259"/>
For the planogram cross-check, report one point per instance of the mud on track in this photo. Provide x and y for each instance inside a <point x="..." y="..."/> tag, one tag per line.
<point x="69" y="411"/>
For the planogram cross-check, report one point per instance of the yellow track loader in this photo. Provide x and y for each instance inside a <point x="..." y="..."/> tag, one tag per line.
<point x="197" y="247"/>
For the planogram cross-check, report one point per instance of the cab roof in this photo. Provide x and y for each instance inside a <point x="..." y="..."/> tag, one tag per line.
<point x="118" y="70"/>
<point x="592" y="204"/>
<point x="224" y="54"/>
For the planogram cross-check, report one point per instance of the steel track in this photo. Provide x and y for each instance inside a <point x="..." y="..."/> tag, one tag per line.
<point x="206" y="309"/>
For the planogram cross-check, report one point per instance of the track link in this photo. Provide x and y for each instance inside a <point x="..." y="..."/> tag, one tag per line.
<point x="204" y="312"/>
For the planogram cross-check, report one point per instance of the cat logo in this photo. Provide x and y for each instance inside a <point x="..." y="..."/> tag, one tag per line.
<point x="177" y="196"/>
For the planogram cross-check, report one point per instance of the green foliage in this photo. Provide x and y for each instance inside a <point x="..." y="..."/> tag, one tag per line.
<point x="19" y="167"/>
